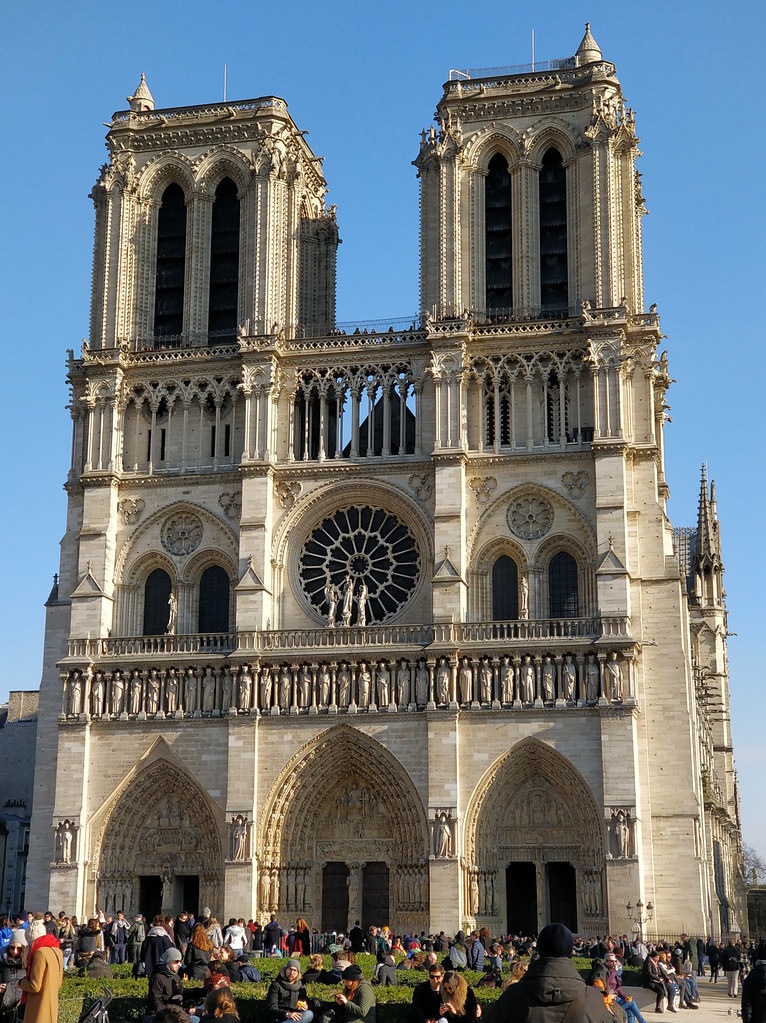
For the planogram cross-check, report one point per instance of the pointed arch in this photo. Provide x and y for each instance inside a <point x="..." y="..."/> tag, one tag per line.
<point x="159" y="173"/>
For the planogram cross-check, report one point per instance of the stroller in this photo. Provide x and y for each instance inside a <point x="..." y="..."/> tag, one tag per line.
<point x="96" y="1011"/>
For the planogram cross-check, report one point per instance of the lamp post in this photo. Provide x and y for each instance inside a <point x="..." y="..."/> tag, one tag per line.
<point x="637" y="917"/>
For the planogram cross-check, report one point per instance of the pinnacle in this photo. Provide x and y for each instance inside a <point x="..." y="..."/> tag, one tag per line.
<point x="142" y="98"/>
<point x="588" y="50"/>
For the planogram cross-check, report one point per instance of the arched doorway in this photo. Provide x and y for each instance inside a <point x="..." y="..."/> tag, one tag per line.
<point x="160" y="848"/>
<point x="534" y="844"/>
<point x="343" y="837"/>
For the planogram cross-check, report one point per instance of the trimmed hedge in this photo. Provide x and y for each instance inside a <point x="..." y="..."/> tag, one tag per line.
<point x="128" y="1003"/>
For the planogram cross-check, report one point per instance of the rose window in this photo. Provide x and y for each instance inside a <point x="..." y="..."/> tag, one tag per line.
<point x="360" y="546"/>
<point x="530" y="518"/>
<point x="182" y="534"/>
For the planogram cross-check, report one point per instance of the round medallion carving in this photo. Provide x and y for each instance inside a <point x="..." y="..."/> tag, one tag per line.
<point x="368" y="546"/>
<point x="530" y="517"/>
<point x="182" y="534"/>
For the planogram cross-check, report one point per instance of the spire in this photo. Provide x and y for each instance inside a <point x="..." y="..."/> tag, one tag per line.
<point x="141" y="99"/>
<point x="704" y="524"/>
<point x="588" y="50"/>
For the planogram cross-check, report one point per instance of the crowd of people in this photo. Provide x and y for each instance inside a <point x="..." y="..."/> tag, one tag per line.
<point x="534" y="972"/>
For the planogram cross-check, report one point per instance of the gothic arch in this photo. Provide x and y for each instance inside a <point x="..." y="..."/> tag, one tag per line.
<point x="297" y="823"/>
<point x="494" y="139"/>
<point x="554" y="133"/>
<point x="496" y="548"/>
<point x="223" y="162"/>
<point x="166" y="169"/>
<point x="533" y="801"/>
<point x="160" y="822"/>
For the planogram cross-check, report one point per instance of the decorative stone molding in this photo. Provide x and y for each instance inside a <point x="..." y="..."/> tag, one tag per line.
<point x="421" y="486"/>
<point x="182" y="533"/>
<point x="288" y="492"/>
<point x="483" y="488"/>
<point x="575" y="482"/>
<point x="231" y="504"/>
<point x="530" y="517"/>
<point x="131" y="509"/>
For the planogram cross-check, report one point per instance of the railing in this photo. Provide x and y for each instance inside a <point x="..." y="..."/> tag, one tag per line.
<point x="560" y="631"/>
<point x="160" y="116"/>
<point x="459" y="74"/>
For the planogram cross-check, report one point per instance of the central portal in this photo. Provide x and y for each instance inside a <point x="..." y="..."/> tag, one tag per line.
<point x="374" y="894"/>
<point x="334" y="897"/>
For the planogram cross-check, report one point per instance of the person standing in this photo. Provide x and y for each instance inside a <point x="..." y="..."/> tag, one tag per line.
<point x="730" y="963"/>
<point x="45" y="972"/>
<point x="754" y="989"/>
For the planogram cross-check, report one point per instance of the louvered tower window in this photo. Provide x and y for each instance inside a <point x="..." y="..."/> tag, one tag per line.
<point x="562" y="587"/>
<point x="499" y="242"/>
<point x="171" y="264"/>
<point x="554" y="285"/>
<point x="224" y="262"/>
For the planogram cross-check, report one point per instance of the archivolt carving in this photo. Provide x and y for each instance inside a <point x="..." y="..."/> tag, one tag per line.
<point x="164" y="169"/>
<point x="378" y="802"/>
<point x="223" y="162"/>
<point x="536" y="798"/>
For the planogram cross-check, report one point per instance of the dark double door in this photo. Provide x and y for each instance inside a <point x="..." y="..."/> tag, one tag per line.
<point x="559" y="903"/>
<point x="375" y="901"/>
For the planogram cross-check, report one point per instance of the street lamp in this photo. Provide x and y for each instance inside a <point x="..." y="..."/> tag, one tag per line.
<point x="637" y="917"/>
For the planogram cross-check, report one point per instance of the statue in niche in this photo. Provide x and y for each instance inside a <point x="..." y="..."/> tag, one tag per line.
<point x="97" y="695"/>
<point x="364" y="681"/>
<point x="568" y="679"/>
<point x="64" y="840"/>
<point x="172" y="614"/>
<point x="264" y="891"/>
<point x="354" y="891"/>
<point x="135" y="692"/>
<point x="621" y="833"/>
<point x="527" y="681"/>
<point x="613" y="670"/>
<point x="244" y="689"/>
<point x="492" y="895"/>
<point x="324" y="683"/>
<point x="348" y="601"/>
<point x="285" y="688"/>
<point x="383" y="684"/>
<point x="591" y="679"/>
<point x="465" y="681"/>
<point x="332" y="596"/>
<point x="191" y="692"/>
<point x="506" y="680"/>
<point x="362" y="595"/>
<point x="344" y="685"/>
<point x="304" y="687"/>
<point x="171" y="692"/>
<point x="443" y="837"/>
<point x="403" y="684"/>
<point x="485" y="681"/>
<point x="474" y="891"/>
<point x="118" y="693"/>
<point x="75" y="693"/>
<point x="548" y="680"/>
<point x="238" y="837"/>
<point x="524" y="596"/>
<point x="152" y="692"/>
<point x="442" y="681"/>
<point x="208" y="691"/>
<point x="226" y="691"/>
<point x="421" y="684"/>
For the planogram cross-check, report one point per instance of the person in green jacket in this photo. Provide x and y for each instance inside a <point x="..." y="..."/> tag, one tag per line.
<point x="356" y="1002"/>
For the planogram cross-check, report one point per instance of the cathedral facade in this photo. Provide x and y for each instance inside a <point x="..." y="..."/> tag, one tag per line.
<point x="383" y="623"/>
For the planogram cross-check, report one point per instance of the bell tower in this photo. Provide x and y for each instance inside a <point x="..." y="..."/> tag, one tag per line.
<point x="530" y="200"/>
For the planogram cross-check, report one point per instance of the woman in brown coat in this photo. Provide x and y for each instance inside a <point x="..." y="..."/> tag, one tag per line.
<point x="45" y="971"/>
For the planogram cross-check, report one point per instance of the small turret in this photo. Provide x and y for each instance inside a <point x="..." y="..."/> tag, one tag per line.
<point x="588" y="51"/>
<point x="141" y="99"/>
<point x="707" y="563"/>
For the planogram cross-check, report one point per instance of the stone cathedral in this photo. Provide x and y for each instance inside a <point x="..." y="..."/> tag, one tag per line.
<point x="384" y="623"/>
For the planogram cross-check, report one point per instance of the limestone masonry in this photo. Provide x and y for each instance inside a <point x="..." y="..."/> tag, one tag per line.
<point x="383" y="623"/>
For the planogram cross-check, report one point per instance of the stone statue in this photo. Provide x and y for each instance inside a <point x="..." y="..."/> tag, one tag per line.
<point x="97" y="695"/>
<point x="348" y="601"/>
<point x="354" y="892"/>
<point x="442" y="681"/>
<point x="591" y="679"/>
<point x="614" y="676"/>
<point x="135" y="693"/>
<point x="443" y="834"/>
<point x="344" y="685"/>
<point x="364" y="682"/>
<point x="568" y="679"/>
<point x="172" y="614"/>
<point x="421" y="684"/>
<point x="304" y="687"/>
<point x="465" y="680"/>
<point x="361" y="604"/>
<point x="238" y="837"/>
<point x="226" y="691"/>
<point x="244" y="690"/>
<point x="191" y="692"/>
<point x="264" y="891"/>
<point x="506" y="680"/>
<point x="548" y="680"/>
<point x="285" y="687"/>
<point x="485" y="682"/>
<point x="383" y="684"/>
<point x="118" y="693"/>
<point x="403" y="684"/>
<point x="621" y="831"/>
<point x="332" y="596"/>
<point x="152" y="692"/>
<point x="171" y="692"/>
<point x="65" y="837"/>
<point x="474" y="890"/>
<point x="524" y="596"/>
<point x="208" y="691"/>
<point x="527" y="681"/>
<point x="75" y="694"/>
<point x="324" y="683"/>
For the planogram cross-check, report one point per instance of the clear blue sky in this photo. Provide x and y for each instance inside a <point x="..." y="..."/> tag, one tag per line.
<point x="364" y="79"/>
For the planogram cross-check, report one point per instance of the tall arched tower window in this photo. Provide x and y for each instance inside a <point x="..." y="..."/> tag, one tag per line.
<point x="171" y="263"/>
<point x="224" y="260"/>
<point x="157" y="590"/>
<point x="498" y="236"/>
<point x="554" y="284"/>
<point x="214" y="600"/>
<point x="505" y="590"/>
<point x="562" y="587"/>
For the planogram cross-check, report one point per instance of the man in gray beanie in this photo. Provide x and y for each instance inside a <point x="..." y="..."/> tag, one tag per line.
<point x="551" y="991"/>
